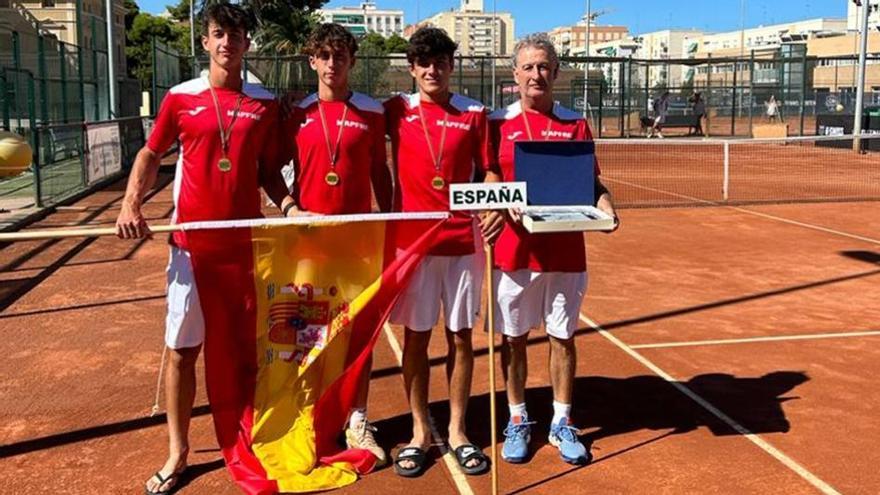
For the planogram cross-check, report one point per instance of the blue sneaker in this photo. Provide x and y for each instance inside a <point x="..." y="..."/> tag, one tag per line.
<point x="516" y="440"/>
<point x="563" y="436"/>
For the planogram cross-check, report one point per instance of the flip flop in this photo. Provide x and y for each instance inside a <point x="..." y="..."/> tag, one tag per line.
<point x="413" y="454"/>
<point x="175" y="477"/>
<point x="468" y="452"/>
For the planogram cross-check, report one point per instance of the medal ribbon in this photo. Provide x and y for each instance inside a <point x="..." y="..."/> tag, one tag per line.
<point x="225" y="133"/>
<point x="332" y="153"/>
<point x="435" y="157"/>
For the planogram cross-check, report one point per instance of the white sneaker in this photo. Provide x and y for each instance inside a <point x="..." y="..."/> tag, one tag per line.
<point x="361" y="437"/>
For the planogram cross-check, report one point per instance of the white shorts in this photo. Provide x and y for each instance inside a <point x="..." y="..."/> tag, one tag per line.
<point x="184" y="323"/>
<point x="524" y="299"/>
<point x="456" y="281"/>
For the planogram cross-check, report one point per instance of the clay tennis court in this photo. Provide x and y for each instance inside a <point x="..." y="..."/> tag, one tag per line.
<point x="723" y="349"/>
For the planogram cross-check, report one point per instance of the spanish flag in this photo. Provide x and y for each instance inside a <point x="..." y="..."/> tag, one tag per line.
<point x="291" y="313"/>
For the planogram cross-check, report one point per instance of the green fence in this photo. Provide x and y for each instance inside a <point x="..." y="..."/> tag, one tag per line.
<point x="49" y="92"/>
<point x="618" y="90"/>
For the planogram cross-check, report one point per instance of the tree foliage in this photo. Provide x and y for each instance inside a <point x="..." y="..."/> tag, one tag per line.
<point x="282" y="26"/>
<point x="395" y="44"/>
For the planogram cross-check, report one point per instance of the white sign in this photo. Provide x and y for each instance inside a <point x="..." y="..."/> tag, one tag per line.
<point x="105" y="151"/>
<point x="487" y="196"/>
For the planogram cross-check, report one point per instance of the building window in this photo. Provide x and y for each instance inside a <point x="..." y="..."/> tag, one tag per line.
<point x="47" y="3"/>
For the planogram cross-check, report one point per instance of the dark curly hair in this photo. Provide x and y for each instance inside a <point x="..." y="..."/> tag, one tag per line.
<point x="332" y="35"/>
<point x="226" y="15"/>
<point x="428" y="43"/>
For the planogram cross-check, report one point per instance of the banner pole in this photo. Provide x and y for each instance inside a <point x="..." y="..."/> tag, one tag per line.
<point x="490" y="316"/>
<point x="316" y="220"/>
<point x="44" y="234"/>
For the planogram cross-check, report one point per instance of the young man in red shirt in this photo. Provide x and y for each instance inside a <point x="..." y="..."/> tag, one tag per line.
<point x="228" y="141"/>
<point x="339" y="139"/>
<point x="439" y="138"/>
<point x="539" y="278"/>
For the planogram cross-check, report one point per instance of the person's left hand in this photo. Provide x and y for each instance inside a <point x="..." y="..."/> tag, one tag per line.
<point x="607" y="206"/>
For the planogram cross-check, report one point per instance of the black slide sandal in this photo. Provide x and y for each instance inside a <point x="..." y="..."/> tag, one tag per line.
<point x="468" y="452"/>
<point x="413" y="454"/>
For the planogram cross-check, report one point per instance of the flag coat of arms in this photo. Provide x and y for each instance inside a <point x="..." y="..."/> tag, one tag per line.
<point x="291" y="314"/>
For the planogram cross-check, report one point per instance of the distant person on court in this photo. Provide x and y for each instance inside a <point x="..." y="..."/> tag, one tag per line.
<point x="698" y="105"/>
<point x="228" y="133"/>
<point x="439" y="138"/>
<point x="338" y="141"/>
<point x="772" y="109"/>
<point x="539" y="279"/>
<point x="661" y="109"/>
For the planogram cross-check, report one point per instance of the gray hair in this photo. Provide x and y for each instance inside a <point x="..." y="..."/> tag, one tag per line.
<point x="536" y="40"/>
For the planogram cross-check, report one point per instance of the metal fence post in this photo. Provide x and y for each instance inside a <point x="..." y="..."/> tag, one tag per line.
<point x="628" y="98"/>
<point x="4" y="93"/>
<point x="460" y="75"/>
<point x="482" y="80"/>
<point x="61" y="52"/>
<point x="44" y="96"/>
<point x="708" y="131"/>
<point x="803" y="90"/>
<point x="16" y="50"/>
<point x="733" y="99"/>
<point x="751" y="88"/>
<point x="38" y="186"/>
<point x="621" y="84"/>
<point x="95" y="75"/>
<point x="154" y="106"/>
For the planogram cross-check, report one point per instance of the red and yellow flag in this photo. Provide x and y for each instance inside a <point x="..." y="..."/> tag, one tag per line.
<point x="291" y="314"/>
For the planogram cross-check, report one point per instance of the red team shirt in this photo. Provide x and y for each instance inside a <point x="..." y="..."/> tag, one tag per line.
<point x="516" y="248"/>
<point x="361" y="149"/>
<point x="201" y="190"/>
<point x="467" y="150"/>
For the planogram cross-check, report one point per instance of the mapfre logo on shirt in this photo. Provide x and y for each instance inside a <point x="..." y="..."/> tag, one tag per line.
<point x="462" y="126"/>
<point x="557" y="134"/>
<point x="354" y="124"/>
<point x="244" y="115"/>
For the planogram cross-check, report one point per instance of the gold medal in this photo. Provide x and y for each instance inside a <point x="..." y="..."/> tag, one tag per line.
<point x="224" y="164"/>
<point x="332" y="178"/>
<point x="437" y="182"/>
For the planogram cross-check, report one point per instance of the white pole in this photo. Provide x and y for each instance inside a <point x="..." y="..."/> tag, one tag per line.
<point x="192" y="37"/>
<point x="494" y="40"/>
<point x="725" y="185"/>
<point x="111" y="58"/>
<point x="587" y="54"/>
<point x="742" y="28"/>
<point x="860" y="89"/>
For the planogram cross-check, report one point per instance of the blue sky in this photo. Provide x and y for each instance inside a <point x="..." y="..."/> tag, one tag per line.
<point x="640" y="16"/>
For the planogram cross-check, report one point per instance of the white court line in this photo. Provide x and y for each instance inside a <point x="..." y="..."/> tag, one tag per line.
<point x="760" y="442"/>
<point x="458" y="477"/>
<point x="756" y="339"/>
<point x="750" y="212"/>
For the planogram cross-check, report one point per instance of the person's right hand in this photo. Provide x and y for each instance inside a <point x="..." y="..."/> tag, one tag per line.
<point x="131" y="224"/>
<point x="296" y="212"/>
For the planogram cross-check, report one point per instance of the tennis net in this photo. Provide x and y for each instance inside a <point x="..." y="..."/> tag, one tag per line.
<point x="683" y="172"/>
